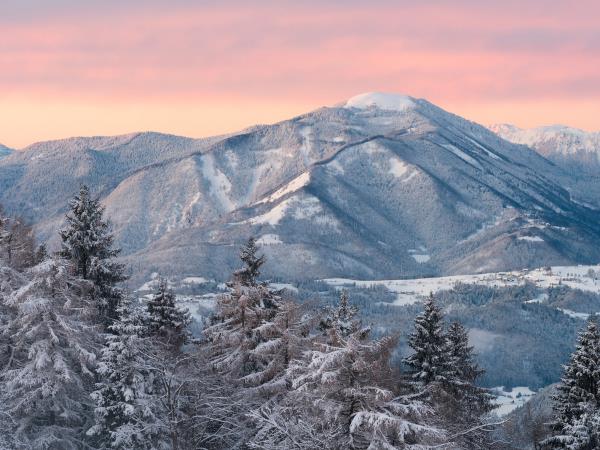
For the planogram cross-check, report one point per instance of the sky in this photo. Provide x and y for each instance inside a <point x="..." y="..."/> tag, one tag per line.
<point x="199" y="68"/>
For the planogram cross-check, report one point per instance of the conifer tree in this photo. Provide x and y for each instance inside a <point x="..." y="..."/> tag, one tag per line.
<point x="47" y="382"/>
<point x="165" y="319"/>
<point x="249" y="273"/>
<point x="577" y="404"/>
<point x="467" y="403"/>
<point x="88" y="242"/>
<point x="251" y="339"/>
<point x="341" y="317"/>
<point x="344" y="396"/>
<point x="430" y="361"/>
<point x="125" y="401"/>
<point x="244" y="336"/>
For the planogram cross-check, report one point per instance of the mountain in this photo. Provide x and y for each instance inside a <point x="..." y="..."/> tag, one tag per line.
<point x="381" y="186"/>
<point x="576" y="151"/>
<point x="564" y="145"/>
<point x="4" y="151"/>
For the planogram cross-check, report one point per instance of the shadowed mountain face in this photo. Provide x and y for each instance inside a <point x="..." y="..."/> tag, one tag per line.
<point x="4" y="151"/>
<point x="382" y="186"/>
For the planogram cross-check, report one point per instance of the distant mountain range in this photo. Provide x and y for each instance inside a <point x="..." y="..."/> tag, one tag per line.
<point x="380" y="186"/>
<point x="564" y="145"/>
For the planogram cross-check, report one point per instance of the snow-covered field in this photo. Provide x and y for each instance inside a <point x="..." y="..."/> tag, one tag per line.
<point x="585" y="278"/>
<point x="508" y="401"/>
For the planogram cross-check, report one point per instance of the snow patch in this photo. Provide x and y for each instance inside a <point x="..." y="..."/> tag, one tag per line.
<point x="219" y="184"/>
<point x="195" y="280"/>
<point x="574" y="314"/>
<point x="297" y="183"/>
<point x="421" y="259"/>
<point x="272" y="217"/>
<point x="530" y="238"/>
<point x="462" y="155"/>
<point x="397" y="167"/>
<point x="269" y="239"/>
<point x="508" y="401"/>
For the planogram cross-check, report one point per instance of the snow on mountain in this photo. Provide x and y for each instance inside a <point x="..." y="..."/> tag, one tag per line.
<point x="576" y="151"/>
<point x="386" y="101"/>
<point x="559" y="143"/>
<point x="343" y="191"/>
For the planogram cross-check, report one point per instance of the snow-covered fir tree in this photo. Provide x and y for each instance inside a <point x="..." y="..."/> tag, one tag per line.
<point x="577" y="405"/>
<point x="126" y="405"/>
<point x="244" y="335"/>
<point x="87" y="241"/>
<point x="430" y="361"/>
<point x="345" y="395"/>
<point x="165" y="319"/>
<point x="342" y="316"/>
<point x="46" y="384"/>
<point x="249" y="273"/>
<point x="467" y="404"/>
<point x="251" y="339"/>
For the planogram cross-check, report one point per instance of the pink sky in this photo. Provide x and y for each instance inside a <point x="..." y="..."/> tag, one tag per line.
<point x="197" y="68"/>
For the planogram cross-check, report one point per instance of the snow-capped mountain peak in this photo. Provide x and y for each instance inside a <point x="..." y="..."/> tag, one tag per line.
<point x="381" y="100"/>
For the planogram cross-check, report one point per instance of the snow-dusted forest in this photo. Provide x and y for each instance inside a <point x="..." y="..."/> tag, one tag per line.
<point x="86" y="364"/>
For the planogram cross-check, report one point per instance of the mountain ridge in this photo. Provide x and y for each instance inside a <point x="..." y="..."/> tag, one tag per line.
<point x="393" y="186"/>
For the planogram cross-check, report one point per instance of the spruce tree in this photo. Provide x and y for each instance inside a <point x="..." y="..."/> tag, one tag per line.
<point x="251" y="339"/>
<point x="165" y="319"/>
<point x="345" y="395"/>
<point x="464" y="367"/>
<point x="341" y="317"/>
<point x="577" y="404"/>
<point x="249" y="273"/>
<point x="467" y="403"/>
<point x="244" y="336"/>
<point x="87" y="241"/>
<point x="46" y="383"/>
<point x="125" y="401"/>
<point x="430" y="361"/>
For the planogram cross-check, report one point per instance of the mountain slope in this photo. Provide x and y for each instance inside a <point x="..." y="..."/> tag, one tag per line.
<point x="381" y="186"/>
<point x="4" y="151"/>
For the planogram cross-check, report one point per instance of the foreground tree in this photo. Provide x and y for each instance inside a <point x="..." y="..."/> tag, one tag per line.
<point x="251" y="339"/>
<point x="47" y="382"/>
<point x="88" y="242"/>
<point x="126" y="407"/>
<point x="345" y="396"/>
<point x="444" y="373"/>
<point x="577" y="404"/>
<point x="245" y="337"/>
